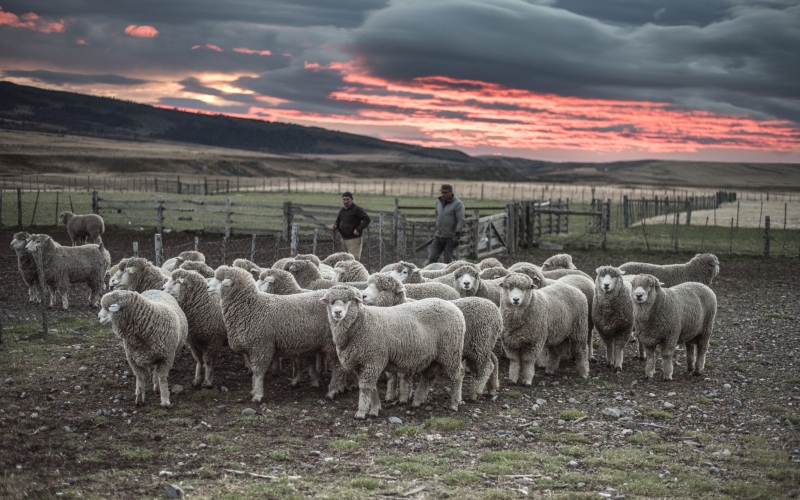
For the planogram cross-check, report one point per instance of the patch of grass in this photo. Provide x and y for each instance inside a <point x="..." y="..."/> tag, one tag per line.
<point x="571" y="414"/>
<point x="408" y="430"/>
<point x="365" y="483"/>
<point x="565" y="438"/>
<point x="702" y="399"/>
<point x="791" y="418"/>
<point x="774" y="408"/>
<point x="660" y="414"/>
<point x="645" y="438"/>
<point x="137" y="454"/>
<point x="574" y="451"/>
<point x="278" y="456"/>
<point x="344" y="445"/>
<point x="462" y="478"/>
<point x="444" y="424"/>
<point x="512" y="394"/>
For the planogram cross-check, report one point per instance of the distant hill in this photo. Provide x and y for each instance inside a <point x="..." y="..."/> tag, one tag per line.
<point x="46" y="131"/>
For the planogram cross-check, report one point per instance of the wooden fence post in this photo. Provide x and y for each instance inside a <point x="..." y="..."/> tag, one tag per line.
<point x="295" y="237"/>
<point x="566" y="218"/>
<point x="688" y="212"/>
<point x="730" y="247"/>
<point x="676" y="246"/>
<point x="395" y="237"/>
<point x="1" y="208"/>
<point x="603" y="221"/>
<point x="608" y="214"/>
<point x="196" y="242"/>
<point x="314" y="246"/>
<point x="228" y="218"/>
<point x="401" y="238"/>
<point x="381" y="249"/>
<point x="626" y="212"/>
<point x="135" y="248"/>
<point x="178" y="180"/>
<point x="703" y="239"/>
<point x="159" y="260"/>
<point x="287" y="219"/>
<point x="36" y="205"/>
<point x="19" y="207"/>
<point x="476" y="231"/>
<point x="40" y="270"/>
<point x="1" y="202"/>
<point x="95" y="203"/>
<point x="766" y="236"/>
<point x="160" y="216"/>
<point x="253" y="248"/>
<point x="224" y="249"/>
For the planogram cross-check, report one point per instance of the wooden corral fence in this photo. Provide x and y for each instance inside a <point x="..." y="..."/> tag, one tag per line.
<point x="634" y="211"/>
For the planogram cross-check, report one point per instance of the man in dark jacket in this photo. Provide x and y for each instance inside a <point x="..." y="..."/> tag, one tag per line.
<point x="449" y="224"/>
<point x="351" y="223"/>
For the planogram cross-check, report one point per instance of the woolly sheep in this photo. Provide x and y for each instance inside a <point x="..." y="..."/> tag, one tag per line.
<point x="517" y="266"/>
<point x="187" y="256"/>
<point x="309" y="257"/>
<point x="153" y="329"/>
<point x="405" y="272"/>
<point x="450" y="268"/>
<point x="139" y="275"/>
<point x="612" y="313"/>
<point x="26" y="263"/>
<point x="307" y="275"/>
<point x="702" y="268"/>
<point x="470" y="284"/>
<point x="494" y="273"/>
<point x="335" y="258"/>
<point x="325" y="270"/>
<point x="278" y="282"/>
<point x="65" y="265"/>
<point x="560" y="273"/>
<point x="554" y="318"/>
<point x="199" y="267"/>
<point x="484" y="325"/>
<point x="489" y="263"/>
<point x="559" y="261"/>
<point x="430" y="290"/>
<point x="264" y="326"/>
<point x="349" y="271"/>
<point x="250" y="267"/>
<point x="666" y="316"/>
<point x="83" y="228"/>
<point x="207" y="335"/>
<point x="417" y="337"/>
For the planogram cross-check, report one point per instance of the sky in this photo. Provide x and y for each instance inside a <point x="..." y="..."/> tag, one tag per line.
<point x="555" y="80"/>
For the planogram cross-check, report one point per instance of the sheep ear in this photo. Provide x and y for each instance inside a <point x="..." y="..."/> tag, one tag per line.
<point x="502" y="284"/>
<point x="226" y="282"/>
<point x="113" y="307"/>
<point x="534" y="287"/>
<point x="659" y="284"/>
<point x="621" y="272"/>
<point x="323" y="300"/>
<point x="359" y="299"/>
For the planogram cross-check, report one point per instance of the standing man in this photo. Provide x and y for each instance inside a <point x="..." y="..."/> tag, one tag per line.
<point x="351" y="223"/>
<point x="449" y="224"/>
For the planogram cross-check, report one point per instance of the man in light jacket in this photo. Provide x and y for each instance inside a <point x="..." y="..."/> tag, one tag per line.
<point x="449" y="224"/>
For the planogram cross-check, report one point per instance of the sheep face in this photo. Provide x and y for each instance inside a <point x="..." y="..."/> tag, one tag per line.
<point x="339" y="300"/>
<point x="35" y="242"/>
<point x="467" y="277"/>
<point x="337" y="273"/>
<point x="608" y="278"/>
<point x="19" y="241"/>
<point x="645" y="287"/>
<point x="215" y="286"/>
<point x="534" y="274"/>
<point x="401" y="272"/>
<point x="64" y="217"/>
<point x="711" y="261"/>
<point x="264" y="283"/>
<point x="467" y="281"/>
<point x="191" y="255"/>
<point x="112" y="302"/>
<point x="516" y="290"/>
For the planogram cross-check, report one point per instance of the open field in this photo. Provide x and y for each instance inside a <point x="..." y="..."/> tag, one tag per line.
<point x="68" y="426"/>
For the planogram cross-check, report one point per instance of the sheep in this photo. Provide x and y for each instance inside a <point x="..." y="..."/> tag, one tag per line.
<point x="405" y="272"/>
<point x="200" y="267"/>
<point x="350" y="271"/>
<point x="264" y="326"/>
<point x="278" y="282"/>
<point x="434" y="266"/>
<point x="470" y="284"/>
<point x="492" y="273"/>
<point x="82" y="227"/>
<point x="559" y="261"/>
<point x="310" y="257"/>
<point x="450" y="268"/>
<point x="484" y="325"/>
<point x="666" y="316"/>
<point x="307" y="275"/>
<point x="153" y="329"/>
<point x="560" y="273"/>
<point x="489" y="263"/>
<point x="139" y="275"/>
<point x="325" y="270"/>
<point x="553" y="318"/>
<point x="335" y="258"/>
<point x="26" y="263"/>
<point x="522" y="265"/>
<point x="207" y="335"/>
<point x="429" y="290"/>
<point x="281" y="263"/>
<point x="187" y="256"/>
<point x="612" y="313"/>
<point x="417" y="337"/>
<point x="702" y="268"/>
<point x="250" y="267"/>
<point x="65" y="265"/>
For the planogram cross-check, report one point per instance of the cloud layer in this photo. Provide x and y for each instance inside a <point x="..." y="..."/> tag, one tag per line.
<point x="553" y="79"/>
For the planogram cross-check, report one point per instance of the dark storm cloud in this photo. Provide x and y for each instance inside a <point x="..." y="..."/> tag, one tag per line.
<point x="55" y="78"/>
<point x="745" y="60"/>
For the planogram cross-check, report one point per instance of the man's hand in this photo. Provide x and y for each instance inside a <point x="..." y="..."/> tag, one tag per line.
<point x="355" y="231"/>
<point x="456" y="239"/>
<point x="333" y="226"/>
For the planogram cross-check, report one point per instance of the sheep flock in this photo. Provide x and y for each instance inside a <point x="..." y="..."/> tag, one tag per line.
<point x="333" y="320"/>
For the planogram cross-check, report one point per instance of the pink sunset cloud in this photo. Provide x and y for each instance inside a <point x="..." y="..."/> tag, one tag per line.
<point x="207" y="46"/>
<point x="464" y="113"/>
<point x="31" y="21"/>
<point x="243" y="50"/>
<point x="141" y="31"/>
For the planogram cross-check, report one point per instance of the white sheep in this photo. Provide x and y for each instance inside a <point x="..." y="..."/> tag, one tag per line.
<point x="153" y="329"/>
<point x="702" y="268"/>
<point x="484" y="325"/>
<point x="348" y="271"/>
<point x="278" y="282"/>
<point x="422" y="337"/>
<point x="667" y="316"/>
<point x="250" y="267"/>
<point x="207" y="334"/>
<point x="139" y="275"/>
<point x="65" y="265"/>
<point x="470" y="284"/>
<point x="553" y="318"/>
<point x="200" y="267"/>
<point x="334" y="258"/>
<point x="559" y="261"/>
<point x="26" y="263"/>
<point x="83" y="228"/>
<point x="612" y="313"/>
<point x="187" y="256"/>
<point x="264" y="326"/>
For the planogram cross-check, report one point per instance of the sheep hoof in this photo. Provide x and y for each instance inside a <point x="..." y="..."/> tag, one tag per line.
<point x="332" y="394"/>
<point x="617" y="369"/>
<point x="360" y="416"/>
<point x="207" y="385"/>
<point x="594" y="359"/>
<point x="165" y="404"/>
<point x="697" y="374"/>
<point x="197" y="383"/>
<point x="454" y="408"/>
<point x="256" y="399"/>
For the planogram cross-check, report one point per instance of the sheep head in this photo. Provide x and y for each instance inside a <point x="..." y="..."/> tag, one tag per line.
<point x="608" y="278"/>
<point x="338" y="299"/>
<point x="226" y="279"/>
<point x="468" y="277"/>
<point x="533" y="273"/>
<point x="402" y="270"/>
<point x="114" y="302"/>
<point x="517" y="289"/>
<point x="378" y="283"/>
<point x="134" y="265"/>
<point x="65" y="216"/>
<point x="559" y="261"/>
<point x="19" y="241"/>
<point x="644" y="288"/>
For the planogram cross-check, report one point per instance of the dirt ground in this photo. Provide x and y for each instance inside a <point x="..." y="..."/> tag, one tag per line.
<point x="68" y="426"/>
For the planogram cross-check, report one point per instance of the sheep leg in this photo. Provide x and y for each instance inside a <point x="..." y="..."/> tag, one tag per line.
<point x="456" y="378"/>
<point x="209" y="360"/>
<point x="198" y="366"/>
<point x="691" y="354"/>
<point x="609" y="352"/>
<point x="541" y="359"/>
<point x="581" y="359"/>
<point x="527" y="366"/>
<point x="161" y="374"/>
<point x="619" y="353"/>
<point x="141" y="383"/>
<point x="391" y="387"/>
<point x="513" y="366"/>
<point x="667" y="366"/>
<point x="494" y="382"/>
<point x="483" y="370"/>
<point x="423" y="388"/>
<point x="650" y="363"/>
<point x="405" y="387"/>
<point x="313" y="373"/>
<point x="259" y="365"/>
<point x="367" y="385"/>
<point x="64" y="300"/>
<point x="338" y="383"/>
<point x="700" y="363"/>
<point x="297" y="370"/>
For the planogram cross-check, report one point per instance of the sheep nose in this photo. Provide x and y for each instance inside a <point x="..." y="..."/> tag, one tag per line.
<point x="515" y="300"/>
<point x="606" y="286"/>
<point x="639" y="296"/>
